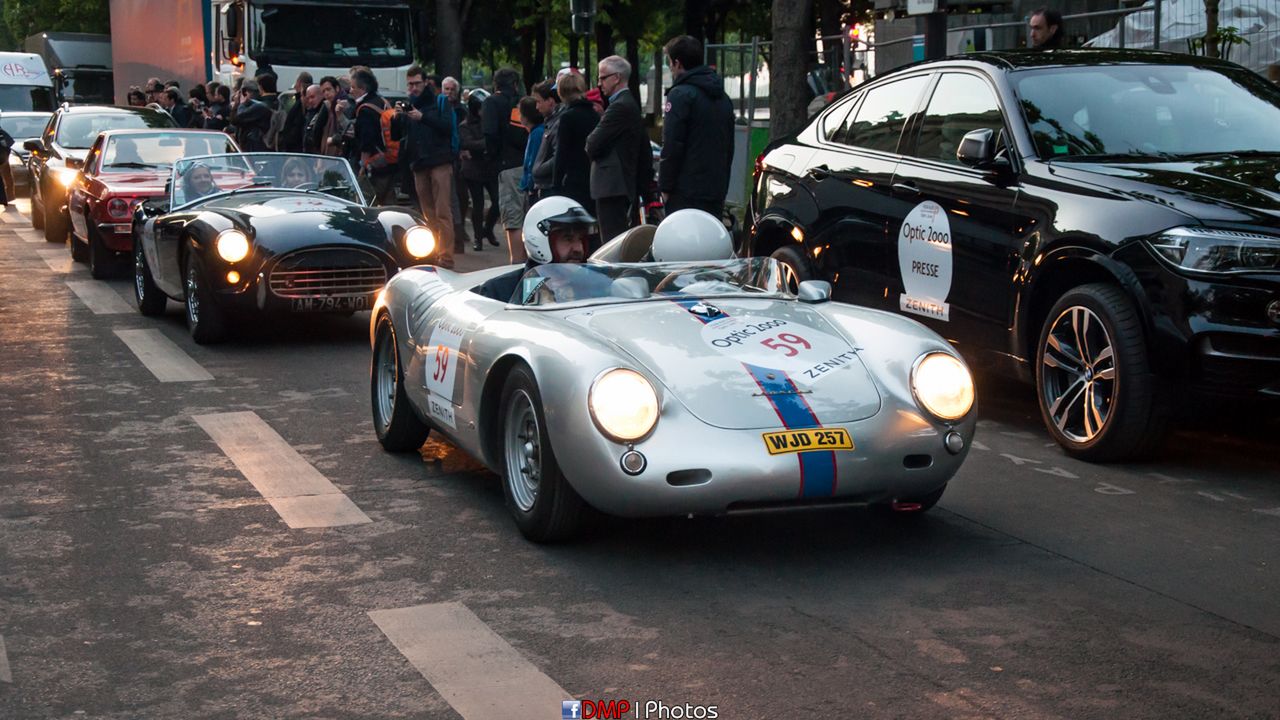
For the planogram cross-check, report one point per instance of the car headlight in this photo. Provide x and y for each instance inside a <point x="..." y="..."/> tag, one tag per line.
<point x="1212" y="250"/>
<point x="232" y="245"/>
<point x="419" y="241"/>
<point x="623" y="405"/>
<point x="65" y="176"/>
<point x="942" y="386"/>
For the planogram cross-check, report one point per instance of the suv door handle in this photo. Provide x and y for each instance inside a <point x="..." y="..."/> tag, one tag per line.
<point x="905" y="187"/>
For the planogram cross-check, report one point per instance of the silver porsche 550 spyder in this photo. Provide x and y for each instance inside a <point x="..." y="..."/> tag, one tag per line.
<point x="644" y="389"/>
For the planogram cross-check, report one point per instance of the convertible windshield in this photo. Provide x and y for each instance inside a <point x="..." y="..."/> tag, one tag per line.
<point x="199" y="177"/>
<point x="559" y="283"/>
<point x="134" y="151"/>
<point x="1147" y="111"/>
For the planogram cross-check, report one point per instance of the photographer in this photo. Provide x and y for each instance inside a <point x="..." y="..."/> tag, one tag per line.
<point x="429" y="131"/>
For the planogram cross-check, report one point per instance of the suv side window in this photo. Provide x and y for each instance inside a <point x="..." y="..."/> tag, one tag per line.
<point x="960" y="103"/>
<point x="836" y="124"/>
<point x="884" y="112"/>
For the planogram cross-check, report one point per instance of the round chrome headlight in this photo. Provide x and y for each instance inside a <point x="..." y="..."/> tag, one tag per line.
<point x="232" y="245"/>
<point x="623" y="405"/>
<point x="419" y="241"/>
<point x="942" y="386"/>
<point x="66" y="176"/>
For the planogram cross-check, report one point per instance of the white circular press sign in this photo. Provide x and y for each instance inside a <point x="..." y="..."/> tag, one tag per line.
<point x="924" y="260"/>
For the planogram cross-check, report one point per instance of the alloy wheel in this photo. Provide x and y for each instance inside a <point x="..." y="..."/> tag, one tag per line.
<point x="385" y="377"/>
<point x="523" y="451"/>
<point x="1079" y="374"/>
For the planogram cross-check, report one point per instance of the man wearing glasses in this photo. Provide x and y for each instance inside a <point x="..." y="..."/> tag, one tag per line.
<point x="614" y="148"/>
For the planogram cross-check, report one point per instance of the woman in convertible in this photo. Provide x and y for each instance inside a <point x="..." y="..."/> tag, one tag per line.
<point x="198" y="182"/>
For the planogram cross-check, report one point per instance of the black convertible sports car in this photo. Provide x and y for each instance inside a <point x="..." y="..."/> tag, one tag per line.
<point x="1103" y="222"/>
<point x="269" y="232"/>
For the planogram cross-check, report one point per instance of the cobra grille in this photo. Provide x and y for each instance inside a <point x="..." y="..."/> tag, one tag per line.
<point x="328" y="273"/>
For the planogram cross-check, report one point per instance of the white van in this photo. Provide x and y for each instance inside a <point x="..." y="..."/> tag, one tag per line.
<point x="25" y="84"/>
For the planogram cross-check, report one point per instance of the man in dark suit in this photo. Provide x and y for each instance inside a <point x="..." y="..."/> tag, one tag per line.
<point x="614" y="148"/>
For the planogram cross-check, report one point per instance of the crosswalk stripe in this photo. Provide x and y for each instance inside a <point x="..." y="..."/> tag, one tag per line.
<point x="162" y="357"/>
<point x="99" y="297"/>
<point x="6" y="675"/>
<point x="471" y="666"/>
<point x="31" y="236"/>
<point x="14" y="218"/>
<point x="57" y="260"/>
<point x="299" y="493"/>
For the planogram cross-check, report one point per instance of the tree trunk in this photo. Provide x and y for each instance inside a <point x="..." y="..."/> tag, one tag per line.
<point x="604" y="41"/>
<point x="1211" y="28"/>
<point x="792" y="40"/>
<point x="528" y="68"/>
<point x="633" y="57"/>
<point x="539" y="52"/>
<point x="448" y="38"/>
<point x="573" y="51"/>
<point x="695" y="16"/>
<point x="829" y="16"/>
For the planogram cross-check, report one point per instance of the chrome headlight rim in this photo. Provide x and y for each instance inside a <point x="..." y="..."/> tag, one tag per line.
<point x="1170" y="247"/>
<point x="228" y="242"/>
<point x="409" y="242"/>
<point x="923" y="404"/>
<point x="610" y="432"/>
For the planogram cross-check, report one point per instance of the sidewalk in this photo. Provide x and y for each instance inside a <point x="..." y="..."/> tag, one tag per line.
<point x="491" y="256"/>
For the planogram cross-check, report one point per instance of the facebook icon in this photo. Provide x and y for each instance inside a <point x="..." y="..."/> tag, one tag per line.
<point x="571" y="710"/>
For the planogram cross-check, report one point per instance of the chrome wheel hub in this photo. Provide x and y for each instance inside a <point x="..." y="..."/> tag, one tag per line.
<point x="193" y="300"/>
<point x="523" y="451"/>
<point x="1078" y="374"/>
<point x="385" y="379"/>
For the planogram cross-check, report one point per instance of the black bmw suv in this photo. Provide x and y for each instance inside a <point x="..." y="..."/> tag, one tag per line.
<point x="1106" y="223"/>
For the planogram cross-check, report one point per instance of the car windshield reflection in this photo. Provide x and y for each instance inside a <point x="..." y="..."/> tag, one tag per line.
<point x="199" y="178"/>
<point x="555" y="284"/>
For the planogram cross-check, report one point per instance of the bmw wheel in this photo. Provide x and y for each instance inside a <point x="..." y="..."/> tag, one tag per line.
<point x="55" y="225"/>
<point x="1098" y="396"/>
<point x="797" y="268"/>
<point x="206" y="321"/>
<point x="399" y="429"/>
<point x="151" y="301"/>
<point x="545" y="507"/>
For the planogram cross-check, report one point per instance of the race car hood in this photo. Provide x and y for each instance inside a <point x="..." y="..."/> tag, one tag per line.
<point x="1228" y="189"/>
<point x="744" y="363"/>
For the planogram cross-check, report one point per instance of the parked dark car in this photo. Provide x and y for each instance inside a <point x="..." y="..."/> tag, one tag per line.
<point x="59" y="153"/>
<point x="22" y="126"/>
<point x="1107" y="223"/>
<point x="261" y="233"/>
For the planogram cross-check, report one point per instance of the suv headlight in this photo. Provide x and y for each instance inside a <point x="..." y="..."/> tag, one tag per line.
<point x="1213" y="250"/>
<point x="942" y="386"/>
<point x="623" y="405"/>
<point x="232" y="245"/>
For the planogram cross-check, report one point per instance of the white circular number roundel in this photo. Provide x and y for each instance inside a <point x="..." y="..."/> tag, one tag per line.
<point x="924" y="253"/>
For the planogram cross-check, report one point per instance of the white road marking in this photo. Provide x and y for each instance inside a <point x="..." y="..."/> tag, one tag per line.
<point x="1169" y="480"/>
<point x="298" y="492"/>
<point x="1109" y="489"/>
<point x="470" y="665"/>
<point x="1211" y="496"/>
<point x="1270" y="511"/>
<point x="977" y="445"/>
<point x="162" y="357"/>
<point x="1019" y="460"/>
<point x="1055" y="470"/>
<point x="1236" y="495"/>
<point x="100" y="297"/>
<point x="6" y="675"/>
<point x="31" y="236"/>
<point x="57" y="260"/>
<point x="13" y="217"/>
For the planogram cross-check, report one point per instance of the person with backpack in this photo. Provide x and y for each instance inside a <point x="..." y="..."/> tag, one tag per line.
<point x="378" y="155"/>
<point x="430" y="132"/>
<point x="505" y="140"/>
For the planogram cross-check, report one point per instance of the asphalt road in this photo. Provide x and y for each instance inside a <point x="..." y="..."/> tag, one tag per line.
<point x="144" y="574"/>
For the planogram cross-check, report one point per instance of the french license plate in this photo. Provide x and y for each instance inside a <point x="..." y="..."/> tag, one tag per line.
<point x="331" y="304"/>
<point x="794" y="441"/>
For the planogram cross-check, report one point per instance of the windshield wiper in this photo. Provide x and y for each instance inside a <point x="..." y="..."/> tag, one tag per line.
<point x="1117" y="157"/>
<point x="138" y="165"/>
<point x="1226" y="154"/>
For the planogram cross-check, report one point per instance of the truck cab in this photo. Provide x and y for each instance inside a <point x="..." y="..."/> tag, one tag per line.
<point x="25" y="85"/>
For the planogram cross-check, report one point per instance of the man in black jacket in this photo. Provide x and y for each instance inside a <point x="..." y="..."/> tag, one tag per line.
<point x="697" y="133"/>
<point x="614" y="148"/>
<point x="367" y="136"/>
<point x="251" y="119"/>
<point x="504" y="152"/>
<point x="427" y="125"/>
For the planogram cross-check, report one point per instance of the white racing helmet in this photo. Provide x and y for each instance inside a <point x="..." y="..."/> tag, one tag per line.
<point x="691" y="235"/>
<point x="545" y="213"/>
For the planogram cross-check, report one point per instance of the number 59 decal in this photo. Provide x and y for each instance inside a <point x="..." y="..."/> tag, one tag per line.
<point x="441" y="366"/>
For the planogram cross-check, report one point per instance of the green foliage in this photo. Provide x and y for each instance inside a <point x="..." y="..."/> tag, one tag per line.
<point x="27" y="17"/>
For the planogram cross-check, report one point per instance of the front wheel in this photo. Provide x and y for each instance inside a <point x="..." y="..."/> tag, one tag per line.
<point x="206" y="321"/>
<point x="1098" y="396"/>
<point x="151" y="301"/>
<point x="37" y="210"/>
<point x="797" y="267"/>
<point x="55" y="226"/>
<point x="103" y="263"/>
<point x="399" y="429"/>
<point x="545" y="507"/>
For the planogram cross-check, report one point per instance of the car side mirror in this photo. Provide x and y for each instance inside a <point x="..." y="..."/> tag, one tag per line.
<point x="33" y="145"/>
<point x="978" y="150"/>
<point x="74" y="163"/>
<point x="814" y="291"/>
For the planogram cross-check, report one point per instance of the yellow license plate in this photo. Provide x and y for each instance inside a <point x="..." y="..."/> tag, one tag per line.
<point x="794" y="441"/>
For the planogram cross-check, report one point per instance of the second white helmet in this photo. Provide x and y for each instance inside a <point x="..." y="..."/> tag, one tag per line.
<point x="556" y="209"/>
<point x="691" y="235"/>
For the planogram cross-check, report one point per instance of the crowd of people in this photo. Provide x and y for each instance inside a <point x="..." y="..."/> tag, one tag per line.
<point x="457" y="153"/>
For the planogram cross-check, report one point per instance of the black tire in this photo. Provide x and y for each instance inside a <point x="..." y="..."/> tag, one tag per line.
<point x="151" y="301"/>
<point x="55" y="225"/>
<point x="398" y="427"/>
<point x="206" y="321"/>
<point x="795" y="262"/>
<point x="103" y="263"/>
<point x="37" y="210"/>
<point x="545" y="506"/>
<point x="1092" y="353"/>
<point x="79" y="251"/>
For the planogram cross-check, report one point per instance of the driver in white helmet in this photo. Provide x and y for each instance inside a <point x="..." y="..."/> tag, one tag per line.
<point x="556" y="230"/>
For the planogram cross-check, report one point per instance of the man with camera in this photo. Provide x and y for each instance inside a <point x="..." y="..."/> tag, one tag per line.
<point x="429" y="131"/>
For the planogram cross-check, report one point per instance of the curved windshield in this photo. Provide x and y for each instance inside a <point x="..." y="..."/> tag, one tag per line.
<point x="330" y="35"/>
<point x="22" y="127"/>
<point x="1147" y="111"/>
<point x="79" y="130"/>
<point x="559" y="283"/>
<point x="26" y="98"/>
<point x="195" y="178"/>
<point x="135" y="151"/>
